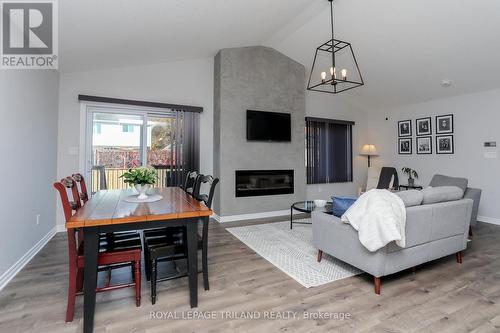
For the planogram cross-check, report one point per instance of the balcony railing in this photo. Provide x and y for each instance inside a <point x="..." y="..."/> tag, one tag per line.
<point x="114" y="182"/>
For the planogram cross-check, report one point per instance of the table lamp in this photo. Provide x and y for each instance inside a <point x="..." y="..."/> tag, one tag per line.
<point x="369" y="150"/>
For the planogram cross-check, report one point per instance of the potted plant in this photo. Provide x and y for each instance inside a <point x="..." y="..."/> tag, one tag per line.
<point x="141" y="178"/>
<point x="412" y="175"/>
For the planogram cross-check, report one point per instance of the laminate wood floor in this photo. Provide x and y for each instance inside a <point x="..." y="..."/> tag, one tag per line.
<point x="441" y="296"/>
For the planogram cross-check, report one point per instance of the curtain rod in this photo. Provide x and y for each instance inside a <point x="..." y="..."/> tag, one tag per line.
<point x="100" y="99"/>
<point x="334" y="121"/>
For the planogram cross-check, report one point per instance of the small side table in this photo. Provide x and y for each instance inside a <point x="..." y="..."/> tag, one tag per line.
<point x="410" y="187"/>
<point x="304" y="207"/>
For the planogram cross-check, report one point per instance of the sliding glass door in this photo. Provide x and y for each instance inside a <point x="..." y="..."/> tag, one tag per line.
<point x="123" y="138"/>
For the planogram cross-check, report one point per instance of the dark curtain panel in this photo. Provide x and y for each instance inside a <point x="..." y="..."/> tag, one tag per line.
<point x="185" y="152"/>
<point x="328" y="151"/>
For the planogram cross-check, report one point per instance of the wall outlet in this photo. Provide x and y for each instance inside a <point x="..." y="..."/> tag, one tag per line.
<point x="38" y="219"/>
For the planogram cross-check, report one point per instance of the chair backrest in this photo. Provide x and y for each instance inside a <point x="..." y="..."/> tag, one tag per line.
<point x="103" y="184"/>
<point x="69" y="207"/>
<point x="190" y="182"/>
<point x="84" y="196"/>
<point x="388" y="178"/>
<point x="372" y="177"/>
<point x="207" y="198"/>
<point x="63" y="186"/>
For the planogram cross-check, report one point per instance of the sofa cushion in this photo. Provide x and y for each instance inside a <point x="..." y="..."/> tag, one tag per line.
<point x="341" y="204"/>
<point x="441" y="194"/>
<point x="411" y="197"/>
<point x="441" y="180"/>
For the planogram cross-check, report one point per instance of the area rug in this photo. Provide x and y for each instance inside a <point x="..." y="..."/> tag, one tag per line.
<point x="292" y="252"/>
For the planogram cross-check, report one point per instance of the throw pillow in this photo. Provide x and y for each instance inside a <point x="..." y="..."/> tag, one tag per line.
<point x="341" y="204"/>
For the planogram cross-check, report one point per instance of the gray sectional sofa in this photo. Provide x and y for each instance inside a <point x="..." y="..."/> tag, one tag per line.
<point x="433" y="231"/>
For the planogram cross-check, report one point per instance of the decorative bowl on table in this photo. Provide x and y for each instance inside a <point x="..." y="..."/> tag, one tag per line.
<point x="141" y="178"/>
<point x="142" y="190"/>
<point x="319" y="203"/>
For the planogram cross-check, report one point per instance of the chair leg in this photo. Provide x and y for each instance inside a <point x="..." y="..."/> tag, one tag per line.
<point x="79" y="280"/>
<point x="108" y="278"/>
<point x="137" y="279"/>
<point x="147" y="267"/>
<point x="70" y="309"/>
<point x="459" y="257"/>
<point x="153" y="281"/>
<point x="376" y="282"/>
<point x="320" y="255"/>
<point x="204" y="260"/>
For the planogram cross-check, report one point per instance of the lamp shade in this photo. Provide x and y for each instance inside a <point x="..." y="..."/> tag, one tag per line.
<point x="369" y="150"/>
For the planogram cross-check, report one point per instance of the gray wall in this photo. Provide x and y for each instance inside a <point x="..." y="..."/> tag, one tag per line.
<point x="476" y="119"/>
<point x="28" y="139"/>
<point x="257" y="78"/>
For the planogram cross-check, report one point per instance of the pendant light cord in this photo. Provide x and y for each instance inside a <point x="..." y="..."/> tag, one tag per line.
<point x="331" y="17"/>
<point x="333" y="39"/>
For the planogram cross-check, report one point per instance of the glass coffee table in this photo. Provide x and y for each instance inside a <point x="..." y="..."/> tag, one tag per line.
<point x="305" y="207"/>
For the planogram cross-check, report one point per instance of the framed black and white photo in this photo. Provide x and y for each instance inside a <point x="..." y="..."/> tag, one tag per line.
<point x="444" y="124"/>
<point x="424" y="145"/>
<point x="404" y="128"/>
<point x="444" y="144"/>
<point x="424" y="126"/>
<point x="404" y="146"/>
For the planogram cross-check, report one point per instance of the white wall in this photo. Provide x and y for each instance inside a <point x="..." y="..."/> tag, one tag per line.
<point x="28" y="139"/>
<point x="477" y="119"/>
<point x="184" y="82"/>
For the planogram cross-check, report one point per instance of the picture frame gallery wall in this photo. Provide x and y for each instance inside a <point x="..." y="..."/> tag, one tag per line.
<point x="444" y="139"/>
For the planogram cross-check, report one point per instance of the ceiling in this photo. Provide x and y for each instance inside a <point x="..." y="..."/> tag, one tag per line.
<point x="116" y="33"/>
<point x="404" y="48"/>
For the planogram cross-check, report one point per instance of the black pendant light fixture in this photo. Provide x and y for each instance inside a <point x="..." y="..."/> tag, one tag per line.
<point x="334" y="68"/>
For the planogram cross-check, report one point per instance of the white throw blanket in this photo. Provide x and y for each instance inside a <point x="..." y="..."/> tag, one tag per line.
<point x="379" y="216"/>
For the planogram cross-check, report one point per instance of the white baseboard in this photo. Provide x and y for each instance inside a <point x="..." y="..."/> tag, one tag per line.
<point x="60" y="228"/>
<point x="490" y="220"/>
<point x="252" y="216"/>
<point x="25" y="259"/>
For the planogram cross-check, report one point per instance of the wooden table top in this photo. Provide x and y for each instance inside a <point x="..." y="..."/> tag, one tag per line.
<point x="108" y="207"/>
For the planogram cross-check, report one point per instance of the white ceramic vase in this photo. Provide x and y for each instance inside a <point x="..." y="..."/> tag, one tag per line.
<point x="142" y="189"/>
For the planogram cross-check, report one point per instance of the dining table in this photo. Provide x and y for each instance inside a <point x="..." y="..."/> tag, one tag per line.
<point x="109" y="211"/>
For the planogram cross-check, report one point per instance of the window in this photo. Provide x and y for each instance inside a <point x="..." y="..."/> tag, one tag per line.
<point x="328" y="151"/>
<point x="97" y="128"/>
<point x="128" y="137"/>
<point x="127" y="128"/>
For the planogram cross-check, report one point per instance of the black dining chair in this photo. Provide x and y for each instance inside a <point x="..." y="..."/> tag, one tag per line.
<point x="169" y="234"/>
<point x="190" y="182"/>
<point x="172" y="245"/>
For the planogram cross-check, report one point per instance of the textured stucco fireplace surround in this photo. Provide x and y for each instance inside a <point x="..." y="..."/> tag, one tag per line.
<point x="256" y="78"/>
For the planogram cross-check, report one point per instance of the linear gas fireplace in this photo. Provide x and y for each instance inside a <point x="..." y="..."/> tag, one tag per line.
<point x="250" y="183"/>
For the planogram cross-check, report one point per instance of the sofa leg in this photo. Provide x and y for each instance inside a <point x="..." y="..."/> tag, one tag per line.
<point x="320" y="255"/>
<point x="459" y="257"/>
<point x="376" y="282"/>
<point x="470" y="232"/>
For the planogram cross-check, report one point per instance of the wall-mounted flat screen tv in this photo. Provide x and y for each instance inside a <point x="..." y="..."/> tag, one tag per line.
<point x="268" y="126"/>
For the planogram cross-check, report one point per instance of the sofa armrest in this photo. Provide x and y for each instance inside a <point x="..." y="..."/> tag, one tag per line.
<point x="475" y="195"/>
